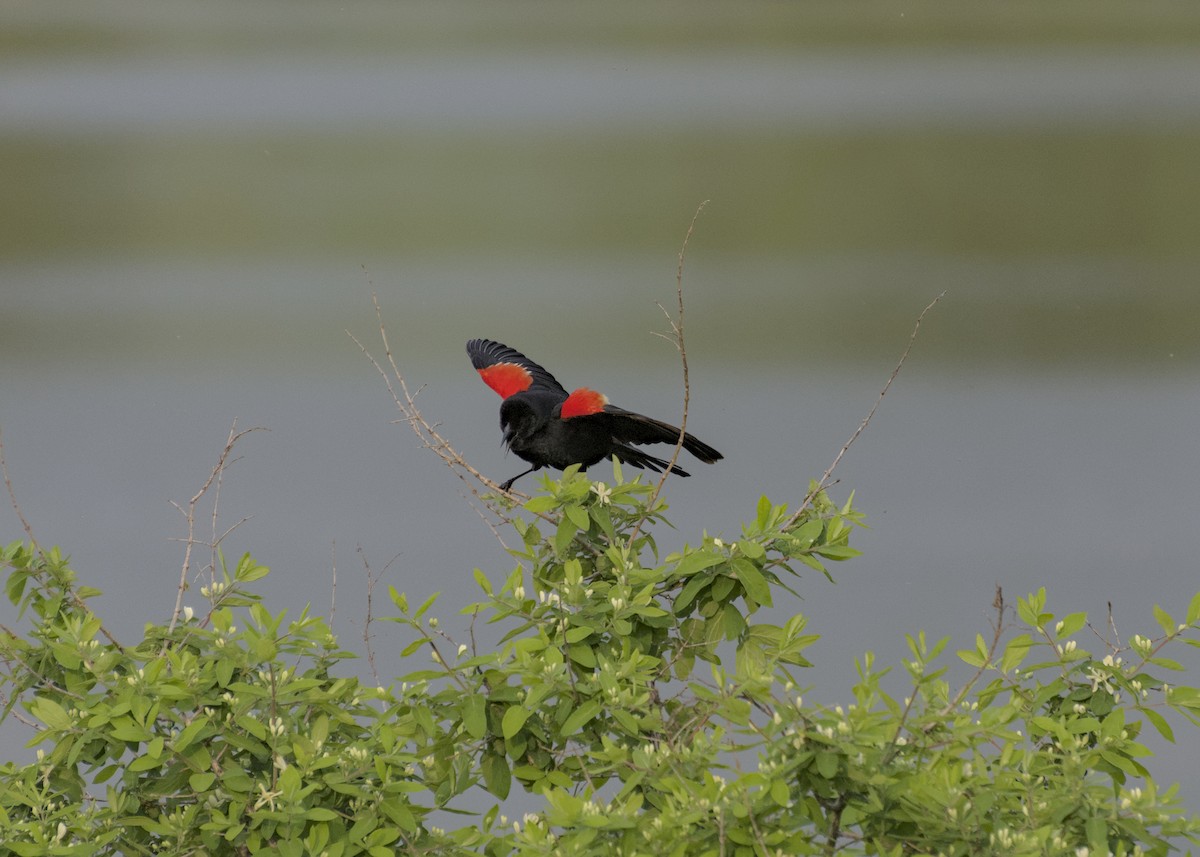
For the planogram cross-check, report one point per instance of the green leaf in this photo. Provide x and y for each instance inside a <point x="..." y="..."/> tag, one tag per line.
<point x="400" y="814"/>
<point x="514" y="719"/>
<point x="807" y="533"/>
<point x="425" y="605"/>
<point x="733" y="622"/>
<point x="827" y="764"/>
<point x="564" y="535"/>
<point x="1071" y="623"/>
<point x="1015" y="652"/>
<point x="483" y="583"/>
<point x="1160" y="723"/>
<point x="541" y="504"/>
<point x="1164" y="620"/>
<point x="1027" y="609"/>
<point x="628" y="722"/>
<point x="697" y="561"/>
<point x="579" y="517"/>
<point x="201" y="782"/>
<point x="51" y="713"/>
<point x="581" y="716"/>
<point x="582" y="655"/>
<point x="971" y="657"/>
<point x="474" y="715"/>
<point x="837" y="552"/>
<point x="16" y="585"/>
<point x="497" y="776"/>
<point x="752" y="579"/>
<point x="578" y="633"/>
<point x="751" y="549"/>
<point x="124" y="729"/>
<point x="780" y="793"/>
<point x="763" y="512"/>
<point x="189" y="733"/>
<point x="144" y="763"/>
<point x="603" y="519"/>
<point x="1167" y="663"/>
<point x="249" y="571"/>
<point x="1123" y="762"/>
<point x="1193" y="613"/>
<point x="750" y="660"/>
<point x="690" y="590"/>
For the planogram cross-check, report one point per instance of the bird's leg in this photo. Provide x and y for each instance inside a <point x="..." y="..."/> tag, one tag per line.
<point x="505" y="486"/>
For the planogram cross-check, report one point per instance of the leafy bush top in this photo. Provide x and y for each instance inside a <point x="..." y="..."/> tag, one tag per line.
<point x="635" y="696"/>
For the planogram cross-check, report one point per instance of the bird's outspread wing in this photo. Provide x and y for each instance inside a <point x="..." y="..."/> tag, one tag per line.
<point x="508" y="371"/>
<point x="628" y="427"/>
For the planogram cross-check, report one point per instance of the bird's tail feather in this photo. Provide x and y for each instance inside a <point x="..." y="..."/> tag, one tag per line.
<point x="637" y="458"/>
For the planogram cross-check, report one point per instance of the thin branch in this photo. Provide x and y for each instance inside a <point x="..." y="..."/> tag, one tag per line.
<point x="431" y="438"/>
<point x="491" y="526"/>
<point x="37" y="548"/>
<point x="372" y="579"/>
<point x="12" y="497"/>
<point x="676" y="338"/>
<point x="998" y="629"/>
<point x="333" y="585"/>
<point x="370" y="615"/>
<point x="824" y="482"/>
<point x="189" y="514"/>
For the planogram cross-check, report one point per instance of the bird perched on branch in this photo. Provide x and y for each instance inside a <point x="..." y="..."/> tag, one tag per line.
<point x="549" y="427"/>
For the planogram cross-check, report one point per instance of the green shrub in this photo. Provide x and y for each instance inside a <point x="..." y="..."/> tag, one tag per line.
<point x="634" y="697"/>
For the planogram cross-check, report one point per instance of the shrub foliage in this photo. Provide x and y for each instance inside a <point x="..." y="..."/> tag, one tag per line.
<point x="634" y="698"/>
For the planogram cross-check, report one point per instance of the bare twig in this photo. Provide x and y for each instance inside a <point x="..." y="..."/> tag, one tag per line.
<point x="37" y="548"/>
<point x="12" y="497"/>
<point x="333" y="585"/>
<point x="372" y="579"/>
<point x="431" y="438"/>
<point x="998" y="629"/>
<point x="675" y="338"/>
<point x="370" y="614"/>
<point x="489" y="524"/>
<point x="824" y="482"/>
<point x="189" y="514"/>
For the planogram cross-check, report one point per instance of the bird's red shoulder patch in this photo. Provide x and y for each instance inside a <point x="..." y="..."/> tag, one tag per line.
<point x="506" y="378"/>
<point x="583" y="402"/>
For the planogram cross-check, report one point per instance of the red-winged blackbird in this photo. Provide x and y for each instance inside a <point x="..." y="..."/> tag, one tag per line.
<point x="548" y="427"/>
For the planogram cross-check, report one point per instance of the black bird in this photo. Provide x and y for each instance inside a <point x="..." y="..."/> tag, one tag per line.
<point x="548" y="427"/>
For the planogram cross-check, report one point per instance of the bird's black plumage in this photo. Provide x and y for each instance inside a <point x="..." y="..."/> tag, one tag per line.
<point x="549" y="427"/>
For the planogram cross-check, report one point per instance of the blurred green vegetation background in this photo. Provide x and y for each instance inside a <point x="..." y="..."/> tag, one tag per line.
<point x="1062" y="221"/>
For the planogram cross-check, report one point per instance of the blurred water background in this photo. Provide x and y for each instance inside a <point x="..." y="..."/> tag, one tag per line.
<point x="200" y="199"/>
